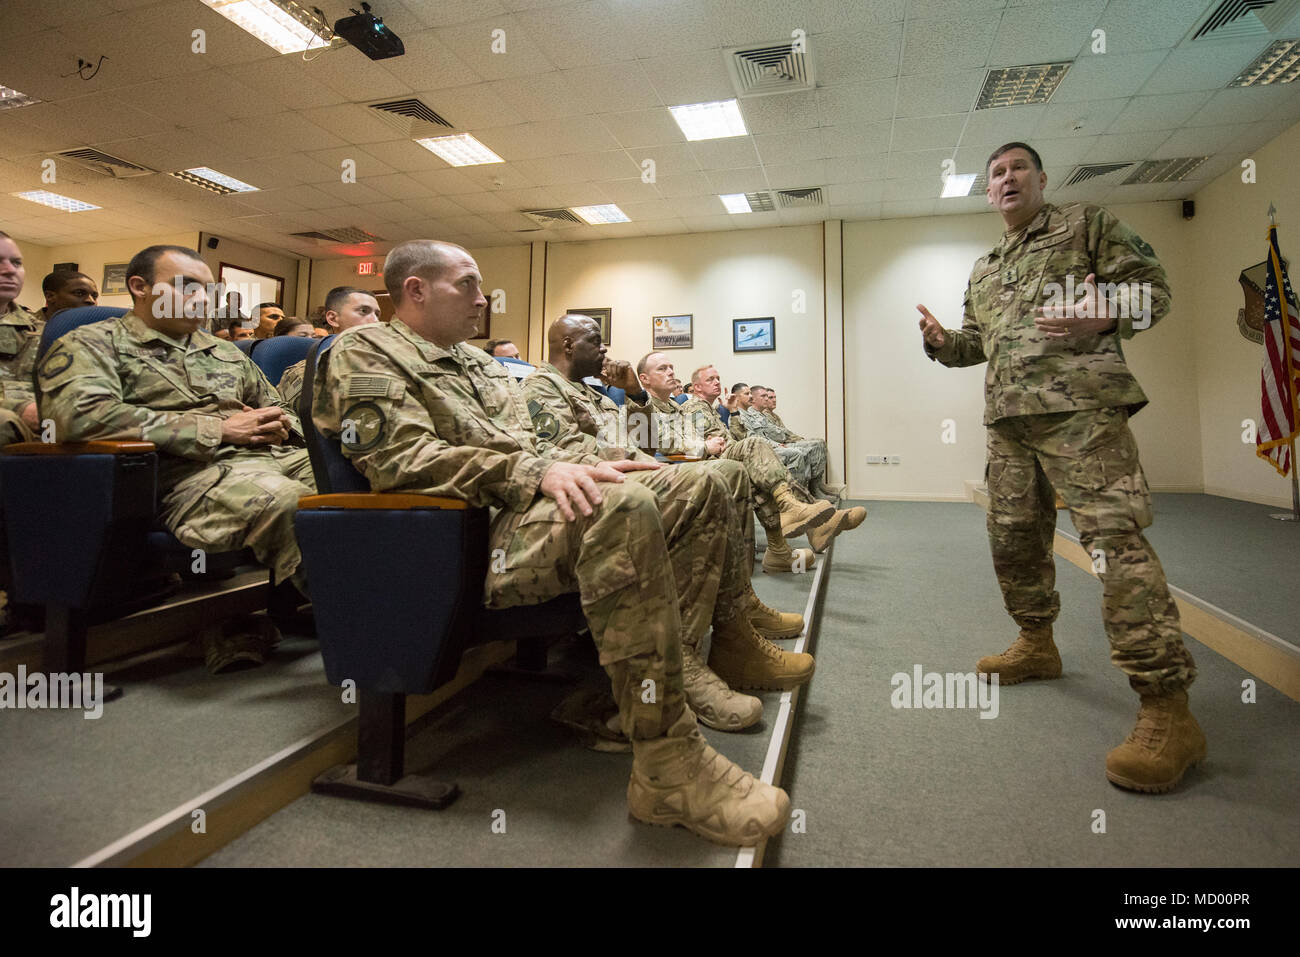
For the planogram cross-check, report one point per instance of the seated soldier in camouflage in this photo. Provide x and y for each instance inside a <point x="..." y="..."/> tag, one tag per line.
<point x="735" y="424"/>
<point x="694" y="429"/>
<point x="20" y="332"/>
<point x="573" y="416"/>
<point x="419" y="410"/>
<point x="345" y="308"/>
<point x="66" y="289"/>
<point x="231" y="461"/>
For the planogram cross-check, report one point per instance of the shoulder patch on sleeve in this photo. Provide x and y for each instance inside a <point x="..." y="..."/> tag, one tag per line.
<point x="55" y="363"/>
<point x="1142" y="246"/>
<point x="374" y="386"/>
<point x="363" y="426"/>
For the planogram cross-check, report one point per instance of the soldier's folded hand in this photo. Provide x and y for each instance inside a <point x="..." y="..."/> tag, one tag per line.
<point x="1089" y="316"/>
<point x="572" y="485"/>
<point x="269" y="426"/>
<point x="631" y="465"/>
<point x="31" y="417"/>
<point x="930" y="328"/>
<point x="715" y="445"/>
<point x="619" y="374"/>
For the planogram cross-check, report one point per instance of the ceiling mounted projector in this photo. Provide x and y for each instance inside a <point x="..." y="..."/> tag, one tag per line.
<point x="367" y="33"/>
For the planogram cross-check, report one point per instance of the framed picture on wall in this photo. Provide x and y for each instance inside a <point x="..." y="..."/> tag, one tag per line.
<point x="114" y="283"/>
<point x="672" y="332"/>
<point x="753" y="335"/>
<point x="604" y="316"/>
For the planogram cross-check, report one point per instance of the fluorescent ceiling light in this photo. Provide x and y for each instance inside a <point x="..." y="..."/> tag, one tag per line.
<point x="600" y="215"/>
<point x="1020" y="85"/>
<point x="460" y="149"/>
<point x="211" y="179"/>
<point x="282" y="24"/>
<point x="710" y="121"/>
<point x="12" y="99"/>
<point x="1279" y="63"/>
<point x="957" y="184"/>
<point x="65" y="203"/>
<point x="735" y="202"/>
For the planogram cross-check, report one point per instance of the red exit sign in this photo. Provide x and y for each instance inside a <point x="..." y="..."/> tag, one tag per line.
<point x="365" y="269"/>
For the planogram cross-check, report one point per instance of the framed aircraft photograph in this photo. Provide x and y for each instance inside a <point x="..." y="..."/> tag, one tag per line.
<point x="753" y="335"/>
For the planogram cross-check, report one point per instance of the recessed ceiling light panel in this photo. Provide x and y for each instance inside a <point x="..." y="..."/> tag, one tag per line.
<point x="957" y="184"/>
<point x="460" y="149"/>
<point x="735" y="203"/>
<point x="12" y="99"/>
<point x="1020" y="85"/>
<point x="284" y="25"/>
<point x="600" y="215"/>
<point x="1279" y="63"/>
<point x="211" y="179"/>
<point x="54" y="200"/>
<point x="709" y="121"/>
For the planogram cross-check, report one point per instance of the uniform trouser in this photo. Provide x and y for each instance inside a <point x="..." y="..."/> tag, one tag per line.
<point x="246" y="500"/>
<point x="736" y="480"/>
<point x="814" y="451"/>
<point x="650" y="536"/>
<point x="1091" y="458"/>
<point x="765" y="473"/>
<point x="14" y="429"/>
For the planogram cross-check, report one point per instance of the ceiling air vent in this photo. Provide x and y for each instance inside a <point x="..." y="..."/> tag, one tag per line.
<point x="105" y="165"/>
<point x="553" y="217"/>
<point x="340" y="234"/>
<point x="413" y="117"/>
<point x="1082" y="174"/>
<point x="773" y="68"/>
<point x="809" y="196"/>
<point x="1238" y="19"/>
<point x="1164" y="171"/>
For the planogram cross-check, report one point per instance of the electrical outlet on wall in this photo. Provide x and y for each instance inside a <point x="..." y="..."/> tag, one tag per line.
<point x="893" y="460"/>
<point x="875" y="460"/>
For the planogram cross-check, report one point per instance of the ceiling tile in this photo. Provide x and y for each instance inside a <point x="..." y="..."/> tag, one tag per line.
<point x="630" y="191"/>
<point x="429" y="64"/>
<point x="615" y="88"/>
<point x="544" y="96"/>
<point x="936" y="95"/>
<point x="577" y="33"/>
<point x="783" y="113"/>
<point x="856" y="139"/>
<point x="474" y="107"/>
<point x="736" y="22"/>
<point x="1107" y="77"/>
<point x="786" y="148"/>
<point x="947" y="45"/>
<point x="1203" y="67"/>
<point x="1133" y="25"/>
<point x="684" y="184"/>
<point x="858" y="102"/>
<point x="852" y="194"/>
<point x="732" y="152"/>
<point x="796" y="175"/>
<point x="473" y="42"/>
<point x="664" y="29"/>
<point x="737" y="180"/>
<point x="853" y="57"/>
<point x="927" y="132"/>
<point x="1166" y="112"/>
<point x="1254" y="103"/>
<point x="1053" y="32"/>
<point x="689" y="78"/>
<point x="902" y="209"/>
<point x="836" y="16"/>
<point x="855" y="169"/>
<point x="667" y="159"/>
<point x="1077" y="119"/>
<point x="643" y="128"/>
<point x="1126" y="146"/>
<point x="1002" y="125"/>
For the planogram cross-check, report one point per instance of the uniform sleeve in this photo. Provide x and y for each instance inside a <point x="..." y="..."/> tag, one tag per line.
<point x="81" y="390"/>
<point x="964" y="347"/>
<point x="260" y="394"/>
<point x="290" y="387"/>
<point x="759" y="427"/>
<point x="1128" y="274"/>
<point x="389" y="435"/>
<point x="14" y="394"/>
<point x="553" y="419"/>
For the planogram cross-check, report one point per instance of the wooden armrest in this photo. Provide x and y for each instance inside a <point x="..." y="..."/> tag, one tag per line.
<point x="390" y="500"/>
<point x="683" y="458"/>
<point x="78" y="448"/>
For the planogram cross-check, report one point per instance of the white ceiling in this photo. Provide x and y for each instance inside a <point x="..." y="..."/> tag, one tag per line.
<point x="578" y="102"/>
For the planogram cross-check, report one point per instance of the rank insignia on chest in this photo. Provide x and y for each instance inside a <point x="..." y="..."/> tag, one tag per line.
<point x="1009" y="276"/>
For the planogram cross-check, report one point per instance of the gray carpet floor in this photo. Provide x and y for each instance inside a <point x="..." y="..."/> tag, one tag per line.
<point x="882" y="786"/>
<point x="1230" y="554"/>
<point x="562" y="804"/>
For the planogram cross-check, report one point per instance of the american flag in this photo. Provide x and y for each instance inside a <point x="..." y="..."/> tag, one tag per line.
<point x="1280" y="409"/>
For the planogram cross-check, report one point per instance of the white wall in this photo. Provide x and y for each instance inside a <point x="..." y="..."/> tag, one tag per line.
<point x="716" y="277"/>
<point x="1230" y="232"/>
<point x="90" y="259"/>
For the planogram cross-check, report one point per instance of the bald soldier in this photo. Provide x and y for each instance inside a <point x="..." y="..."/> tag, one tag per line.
<point x="572" y="415"/>
<point x="419" y="410"/>
<point x="346" y="307"/>
<point x="231" y="460"/>
<point x="1058" y="398"/>
<point x="20" y="333"/>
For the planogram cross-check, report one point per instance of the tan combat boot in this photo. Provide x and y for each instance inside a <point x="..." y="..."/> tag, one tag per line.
<point x="1033" y="655"/>
<point x="747" y="661"/>
<point x="239" y="643"/>
<point x="782" y="558"/>
<point x="771" y="623"/>
<point x="1165" y="742"/>
<point x="683" y="781"/>
<point x="713" y="702"/>
<point x="796" y="516"/>
<point x="843" y="520"/>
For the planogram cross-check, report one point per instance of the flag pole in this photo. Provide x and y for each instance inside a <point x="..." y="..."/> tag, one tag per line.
<point x="1294" y="515"/>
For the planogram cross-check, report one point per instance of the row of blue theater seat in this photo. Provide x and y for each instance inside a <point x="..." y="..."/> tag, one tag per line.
<point x="396" y="580"/>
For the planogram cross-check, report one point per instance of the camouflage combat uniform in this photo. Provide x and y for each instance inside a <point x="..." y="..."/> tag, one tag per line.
<point x="20" y="334"/>
<point x="805" y="458"/>
<point x="736" y="426"/>
<point x="120" y="380"/>
<point x="683" y="429"/>
<point x="574" y="416"/>
<point x="452" y="422"/>
<point x="290" y="385"/>
<point x="1057" y="412"/>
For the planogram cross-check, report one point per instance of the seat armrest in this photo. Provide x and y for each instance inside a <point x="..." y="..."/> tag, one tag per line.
<point x="386" y="500"/>
<point x="78" y="448"/>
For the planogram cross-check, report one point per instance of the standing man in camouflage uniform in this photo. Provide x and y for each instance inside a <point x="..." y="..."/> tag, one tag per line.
<point x="419" y="410"/>
<point x="1059" y="396"/>
<point x="20" y="333"/>
<point x="572" y="415"/>
<point x="345" y="308"/>
<point x="231" y="459"/>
